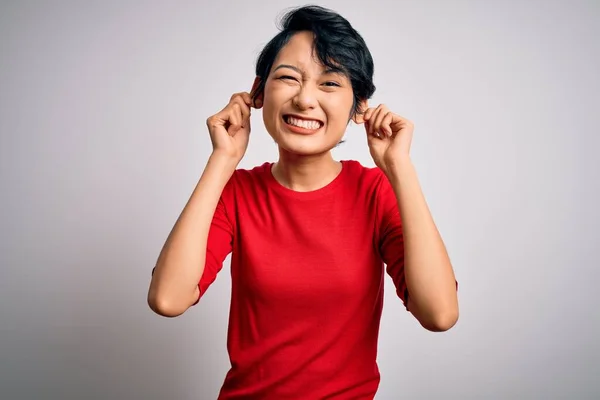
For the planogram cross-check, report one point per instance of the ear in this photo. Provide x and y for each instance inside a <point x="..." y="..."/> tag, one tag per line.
<point x="362" y="108"/>
<point x="258" y="103"/>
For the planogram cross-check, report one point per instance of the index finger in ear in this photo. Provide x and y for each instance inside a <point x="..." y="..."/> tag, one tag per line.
<point x="247" y="98"/>
<point x="243" y="96"/>
<point x="255" y="103"/>
<point x="368" y="114"/>
<point x="358" y="118"/>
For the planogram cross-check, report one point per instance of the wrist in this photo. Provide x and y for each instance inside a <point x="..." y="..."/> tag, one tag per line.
<point x="224" y="159"/>
<point x="221" y="164"/>
<point x="396" y="167"/>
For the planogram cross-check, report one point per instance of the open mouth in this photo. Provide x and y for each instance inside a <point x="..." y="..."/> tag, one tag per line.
<point x="303" y="124"/>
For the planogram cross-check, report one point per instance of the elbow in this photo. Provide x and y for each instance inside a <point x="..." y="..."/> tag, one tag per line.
<point x="442" y="321"/>
<point x="164" y="306"/>
<point x="436" y="317"/>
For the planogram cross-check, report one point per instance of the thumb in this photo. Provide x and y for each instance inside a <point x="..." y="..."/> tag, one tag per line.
<point x="359" y="116"/>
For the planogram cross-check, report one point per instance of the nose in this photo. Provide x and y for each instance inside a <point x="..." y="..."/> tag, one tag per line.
<point x="306" y="98"/>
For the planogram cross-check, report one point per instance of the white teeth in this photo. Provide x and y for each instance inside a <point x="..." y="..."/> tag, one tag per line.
<point x="303" y="123"/>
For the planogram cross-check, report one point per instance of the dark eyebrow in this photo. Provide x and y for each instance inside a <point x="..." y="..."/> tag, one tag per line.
<point x="301" y="72"/>
<point x="298" y="70"/>
<point x="334" y="71"/>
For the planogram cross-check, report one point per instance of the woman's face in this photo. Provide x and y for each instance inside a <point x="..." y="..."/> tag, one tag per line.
<point x="306" y="108"/>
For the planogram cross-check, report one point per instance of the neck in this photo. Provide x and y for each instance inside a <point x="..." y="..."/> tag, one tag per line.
<point x="305" y="173"/>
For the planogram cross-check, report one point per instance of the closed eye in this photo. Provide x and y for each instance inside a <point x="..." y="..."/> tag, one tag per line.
<point x="331" y="83"/>
<point x="284" y="77"/>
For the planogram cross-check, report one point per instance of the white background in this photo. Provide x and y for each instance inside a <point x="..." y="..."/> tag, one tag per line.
<point x="103" y="137"/>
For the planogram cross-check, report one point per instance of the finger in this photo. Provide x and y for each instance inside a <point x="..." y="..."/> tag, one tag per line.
<point x="242" y="97"/>
<point x="399" y="122"/>
<point x="235" y="119"/>
<point x="368" y="114"/>
<point x="373" y="128"/>
<point x="367" y="119"/>
<point x="385" y="123"/>
<point x="245" y="96"/>
<point x="243" y="106"/>
<point x="255" y="103"/>
<point x="382" y="111"/>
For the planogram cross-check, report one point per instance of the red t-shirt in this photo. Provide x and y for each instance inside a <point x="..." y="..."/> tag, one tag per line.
<point x="307" y="274"/>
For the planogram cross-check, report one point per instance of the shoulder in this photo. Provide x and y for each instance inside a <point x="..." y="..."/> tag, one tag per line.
<point x="363" y="176"/>
<point x="243" y="176"/>
<point x="373" y="186"/>
<point x="244" y="180"/>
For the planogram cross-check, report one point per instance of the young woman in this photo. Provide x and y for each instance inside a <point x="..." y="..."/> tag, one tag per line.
<point x="309" y="236"/>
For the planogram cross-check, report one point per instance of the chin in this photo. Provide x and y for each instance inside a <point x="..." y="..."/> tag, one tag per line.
<point x="305" y="146"/>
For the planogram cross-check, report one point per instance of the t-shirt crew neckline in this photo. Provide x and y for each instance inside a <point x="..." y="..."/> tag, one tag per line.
<point x="325" y="190"/>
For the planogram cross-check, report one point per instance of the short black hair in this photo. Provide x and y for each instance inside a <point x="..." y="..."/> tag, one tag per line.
<point x="337" y="44"/>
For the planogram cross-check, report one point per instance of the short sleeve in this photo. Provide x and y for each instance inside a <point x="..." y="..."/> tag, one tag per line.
<point x="391" y="239"/>
<point x="218" y="247"/>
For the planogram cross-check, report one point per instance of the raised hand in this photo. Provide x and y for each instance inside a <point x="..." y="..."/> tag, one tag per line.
<point x="230" y="128"/>
<point x="389" y="136"/>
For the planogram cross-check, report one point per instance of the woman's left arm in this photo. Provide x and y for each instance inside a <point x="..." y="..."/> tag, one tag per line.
<point x="429" y="277"/>
<point x="430" y="280"/>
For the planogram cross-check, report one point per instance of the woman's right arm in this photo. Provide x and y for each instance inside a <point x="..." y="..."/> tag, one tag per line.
<point x="174" y="285"/>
